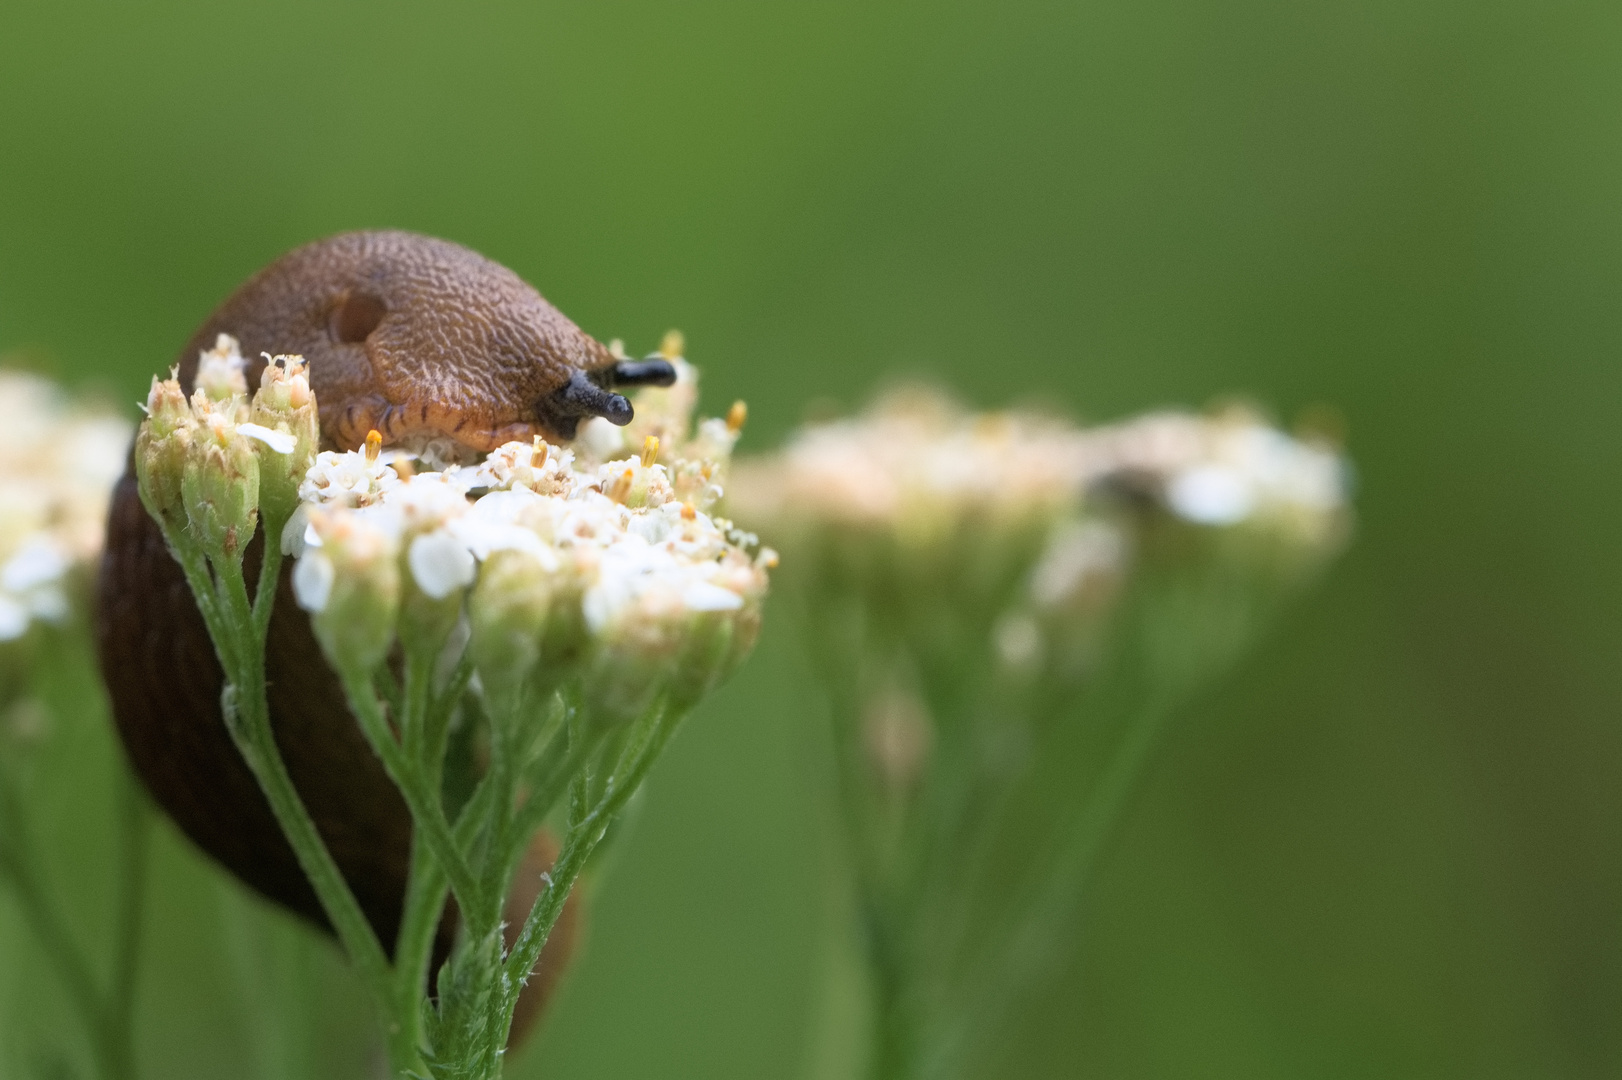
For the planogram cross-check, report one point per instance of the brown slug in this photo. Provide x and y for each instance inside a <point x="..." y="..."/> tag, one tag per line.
<point x="437" y="348"/>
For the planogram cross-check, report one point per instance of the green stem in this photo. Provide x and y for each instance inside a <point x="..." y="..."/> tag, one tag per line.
<point x="426" y="885"/>
<point x="894" y="1053"/>
<point x="582" y="840"/>
<point x="427" y="812"/>
<point x="423" y="907"/>
<point x="548" y="789"/>
<point x="135" y="829"/>
<point x="1025" y="941"/>
<point x="246" y="710"/>
<point x="270" y="573"/>
<point x="19" y="860"/>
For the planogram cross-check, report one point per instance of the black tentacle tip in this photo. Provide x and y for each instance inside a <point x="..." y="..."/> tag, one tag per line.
<point x="654" y="371"/>
<point x="563" y="408"/>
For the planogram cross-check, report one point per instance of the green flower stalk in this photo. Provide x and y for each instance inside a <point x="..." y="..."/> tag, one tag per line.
<point x="560" y="609"/>
<point x="58" y="463"/>
<point x="1003" y="609"/>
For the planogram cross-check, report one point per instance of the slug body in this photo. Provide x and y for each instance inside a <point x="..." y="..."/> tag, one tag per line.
<point x="438" y="349"/>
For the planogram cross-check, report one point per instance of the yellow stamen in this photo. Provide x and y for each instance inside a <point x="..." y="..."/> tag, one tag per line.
<point x="687" y="512"/>
<point x="403" y="468"/>
<point x="736" y="416"/>
<point x="650" y="451"/>
<point x="622" y="487"/>
<point x="374" y="445"/>
<point x="537" y="458"/>
<point x="673" y="346"/>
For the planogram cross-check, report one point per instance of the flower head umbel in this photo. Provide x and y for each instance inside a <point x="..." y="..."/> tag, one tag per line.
<point x="581" y="563"/>
<point x="642" y="583"/>
<point x="969" y="582"/>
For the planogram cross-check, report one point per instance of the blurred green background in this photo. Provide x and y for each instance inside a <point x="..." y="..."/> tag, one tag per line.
<point x="1387" y="846"/>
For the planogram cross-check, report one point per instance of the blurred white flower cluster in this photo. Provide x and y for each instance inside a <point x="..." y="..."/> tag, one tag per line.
<point x="1015" y="536"/>
<point x="970" y="582"/>
<point x="965" y="500"/>
<point x="59" y="461"/>
<point x="919" y="465"/>
<point x="570" y="557"/>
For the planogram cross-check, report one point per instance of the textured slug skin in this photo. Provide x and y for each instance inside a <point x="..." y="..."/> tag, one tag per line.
<point x="415" y="337"/>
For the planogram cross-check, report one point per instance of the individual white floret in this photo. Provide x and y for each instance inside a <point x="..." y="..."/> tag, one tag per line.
<point x="347" y="479"/>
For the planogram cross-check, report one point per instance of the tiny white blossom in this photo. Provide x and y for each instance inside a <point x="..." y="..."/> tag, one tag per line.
<point x="347" y="479"/>
<point x="599" y="440"/>
<point x="313" y="576"/>
<point x="440" y="563"/>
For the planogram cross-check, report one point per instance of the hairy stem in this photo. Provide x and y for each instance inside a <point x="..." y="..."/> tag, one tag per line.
<point x="627" y="776"/>
<point x="241" y="647"/>
<point x="427" y="811"/>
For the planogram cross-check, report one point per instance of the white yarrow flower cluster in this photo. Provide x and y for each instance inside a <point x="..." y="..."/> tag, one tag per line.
<point x="919" y="466"/>
<point x="1023" y="512"/>
<point x="58" y="465"/>
<point x="631" y="573"/>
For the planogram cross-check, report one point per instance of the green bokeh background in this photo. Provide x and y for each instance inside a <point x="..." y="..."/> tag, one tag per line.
<point x="1387" y="846"/>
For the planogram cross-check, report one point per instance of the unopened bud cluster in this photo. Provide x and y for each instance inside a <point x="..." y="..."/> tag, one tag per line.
<point x="59" y="461"/>
<point x="210" y="465"/>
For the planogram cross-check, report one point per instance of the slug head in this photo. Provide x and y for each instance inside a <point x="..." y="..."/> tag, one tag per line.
<point x="427" y="342"/>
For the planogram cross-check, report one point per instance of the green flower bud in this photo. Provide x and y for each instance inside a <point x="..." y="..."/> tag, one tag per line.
<point x="162" y="445"/>
<point x="220" y="375"/>
<point x="350" y="585"/>
<point x="285" y="405"/>
<point x="221" y="488"/>
<point x="441" y="569"/>
<point x="508" y="613"/>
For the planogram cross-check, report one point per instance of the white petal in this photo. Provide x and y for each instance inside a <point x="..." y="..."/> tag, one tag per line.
<point x="703" y="596"/>
<point x="297" y="534"/>
<point x="483" y="538"/>
<point x="1211" y="495"/>
<point x="600" y="439"/>
<point x="441" y="563"/>
<point x="279" y="441"/>
<point x="13" y="619"/>
<point x="37" y="562"/>
<point x="312" y="581"/>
